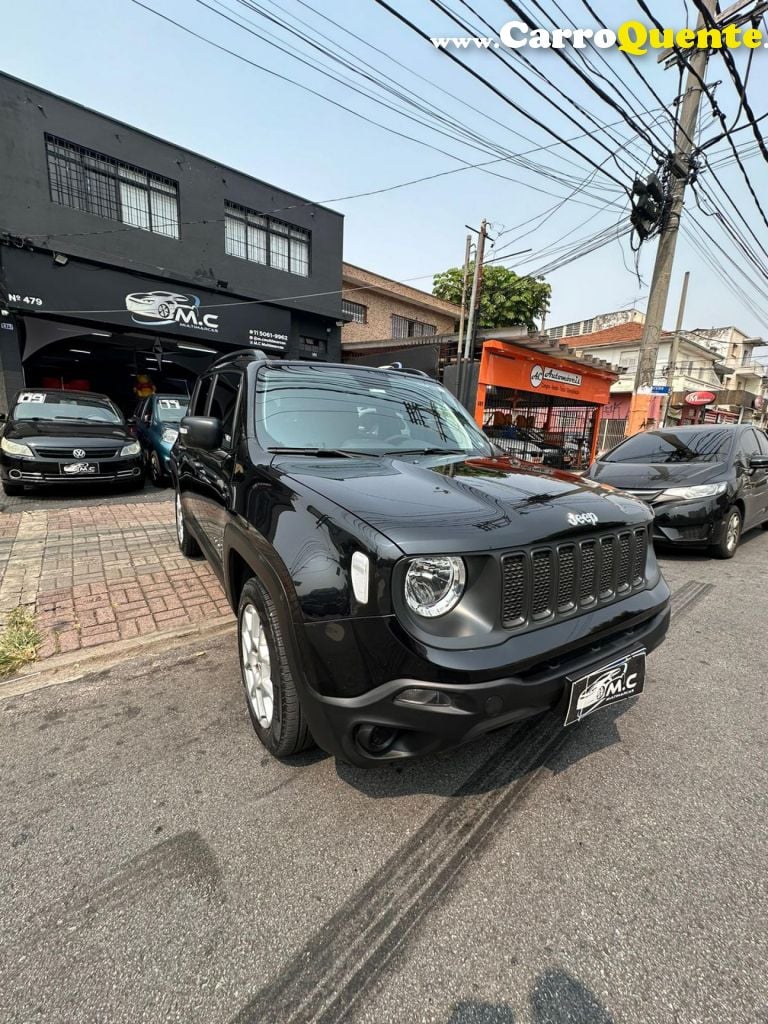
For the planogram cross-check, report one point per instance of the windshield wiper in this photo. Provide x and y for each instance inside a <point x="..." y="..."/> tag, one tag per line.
<point x="331" y="453"/>
<point x="428" y="451"/>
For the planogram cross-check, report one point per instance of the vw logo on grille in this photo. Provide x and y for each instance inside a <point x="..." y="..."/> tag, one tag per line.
<point x="78" y="453"/>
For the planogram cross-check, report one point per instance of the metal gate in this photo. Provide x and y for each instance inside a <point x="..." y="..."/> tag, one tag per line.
<point x="611" y="433"/>
<point x="542" y="429"/>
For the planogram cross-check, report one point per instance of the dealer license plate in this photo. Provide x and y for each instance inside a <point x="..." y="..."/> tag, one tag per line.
<point x="80" y="468"/>
<point x="608" y="685"/>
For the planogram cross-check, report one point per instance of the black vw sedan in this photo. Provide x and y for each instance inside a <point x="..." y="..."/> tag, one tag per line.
<point x="706" y="484"/>
<point x="67" y="437"/>
<point x="400" y="586"/>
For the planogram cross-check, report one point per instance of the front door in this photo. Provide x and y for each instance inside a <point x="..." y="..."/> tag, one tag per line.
<point x="216" y="468"/>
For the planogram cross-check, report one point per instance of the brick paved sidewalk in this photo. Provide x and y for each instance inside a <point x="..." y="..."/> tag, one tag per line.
<point x="97" y="574"/>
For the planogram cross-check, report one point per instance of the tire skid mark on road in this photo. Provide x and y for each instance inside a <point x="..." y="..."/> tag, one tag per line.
<point x="184" y="859"/>
<point x="689" y="595"/>
<point x="324" y="981"/>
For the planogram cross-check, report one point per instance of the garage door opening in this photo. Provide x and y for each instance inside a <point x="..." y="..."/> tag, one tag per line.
<point x="125" y="367"/>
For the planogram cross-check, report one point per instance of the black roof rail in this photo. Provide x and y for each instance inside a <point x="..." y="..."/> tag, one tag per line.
<point x="228" y="357"/>
<point x="405" y="369"/>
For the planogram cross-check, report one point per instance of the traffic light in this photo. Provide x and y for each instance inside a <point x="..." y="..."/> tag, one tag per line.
<point x="647" y="206"/>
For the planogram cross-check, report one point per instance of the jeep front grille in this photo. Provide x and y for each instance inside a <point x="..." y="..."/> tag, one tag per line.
<point x="551" y="582"/>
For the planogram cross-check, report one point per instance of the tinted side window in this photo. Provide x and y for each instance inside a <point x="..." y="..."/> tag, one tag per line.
<point x="224" y="403"/>
<point x="761" y="440"/>
<point x="199" y="404"/>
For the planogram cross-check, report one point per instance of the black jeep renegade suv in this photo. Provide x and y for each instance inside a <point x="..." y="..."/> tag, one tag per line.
<point x="400" y="586"/>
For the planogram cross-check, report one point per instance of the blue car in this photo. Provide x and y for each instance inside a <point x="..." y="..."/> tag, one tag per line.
<point x="157" y="426"/>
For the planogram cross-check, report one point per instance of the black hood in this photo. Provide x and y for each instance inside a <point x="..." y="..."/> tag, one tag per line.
<point x="656" y="477"/>
<point x="49" y="433"/>
<point x="459" y="505"/>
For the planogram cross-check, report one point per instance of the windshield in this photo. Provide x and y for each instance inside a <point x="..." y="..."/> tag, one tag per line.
<point x="42" y="405"/>
<point x="663" y="446"/>
<point x="171" y="409"/>
<point x="364" y="411"/>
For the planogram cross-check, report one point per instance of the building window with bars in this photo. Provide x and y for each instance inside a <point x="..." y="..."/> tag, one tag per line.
<point x="356" y="310"/>
<point x="402" y="327"/>
<point x="94" y="183"/>
<point x="555" y="332"/>
<point x="313" y="348"/>
<point x="260" y="239"/>
<point x="572" y="330"/>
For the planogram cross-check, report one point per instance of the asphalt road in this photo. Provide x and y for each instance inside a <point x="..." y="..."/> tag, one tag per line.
<point x="156" y="866"/>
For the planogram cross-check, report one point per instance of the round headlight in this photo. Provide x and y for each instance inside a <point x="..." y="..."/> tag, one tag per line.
<point x="169" y="435"/>
<point x="433" y="586"/>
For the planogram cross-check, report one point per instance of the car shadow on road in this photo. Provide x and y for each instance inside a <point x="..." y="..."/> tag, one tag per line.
<point x="518" y="750"/>
<point x="557" y="998"/>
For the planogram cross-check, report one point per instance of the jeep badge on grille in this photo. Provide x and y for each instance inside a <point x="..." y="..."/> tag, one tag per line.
<point x="582" y="519"/>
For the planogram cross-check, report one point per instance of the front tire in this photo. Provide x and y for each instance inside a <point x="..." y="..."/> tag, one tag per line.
<point x="187" y="544"/>
<point x="730" y="535"/>
<point x="273" y="702"/>
<point x="156" y="474"/>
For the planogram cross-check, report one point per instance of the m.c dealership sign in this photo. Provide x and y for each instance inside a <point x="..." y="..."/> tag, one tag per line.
<point x="106" y="296"/>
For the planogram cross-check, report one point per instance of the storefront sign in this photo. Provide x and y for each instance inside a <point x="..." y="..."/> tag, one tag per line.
<point x="111" y="297"/>
<point x="540" y="374"/>
<point x="514" y="367"/>
<point x="700" y="398"/>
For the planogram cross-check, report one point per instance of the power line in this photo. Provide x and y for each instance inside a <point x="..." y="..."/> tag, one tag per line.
<point x="489" y="85"/>
<point x="740" y="87"/>
<point x="454" y="126"/>
<point x="716" y="108"/>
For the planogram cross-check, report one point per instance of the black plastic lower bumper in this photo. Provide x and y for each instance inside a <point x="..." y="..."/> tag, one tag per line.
<point x="342" y="724"/>
<point x="48" y="473"/>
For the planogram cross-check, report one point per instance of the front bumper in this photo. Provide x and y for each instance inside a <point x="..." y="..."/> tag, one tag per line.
<point x="47" y="473"/>
<point x="692" y="523"/>
<point x="477" y="706"/>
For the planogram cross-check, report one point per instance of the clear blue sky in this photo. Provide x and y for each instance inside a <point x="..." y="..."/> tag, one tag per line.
<point x="117" y="58"/>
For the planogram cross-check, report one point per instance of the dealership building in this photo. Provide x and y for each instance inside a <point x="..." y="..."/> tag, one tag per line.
<point x="125" y="257"/>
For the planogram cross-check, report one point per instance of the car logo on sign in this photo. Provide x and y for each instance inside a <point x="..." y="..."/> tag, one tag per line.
<point x="78" y="453"/>
<point x="582" y="519"/>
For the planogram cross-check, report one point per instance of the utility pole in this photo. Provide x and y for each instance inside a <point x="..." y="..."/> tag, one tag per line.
<point x="665" y="254"/>
<point x="474" y="304"/>
<point x="675" y="349"/>
<point x="459" y="353"/>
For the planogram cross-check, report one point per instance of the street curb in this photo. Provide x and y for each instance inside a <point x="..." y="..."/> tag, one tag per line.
<point x="67" y="668"/>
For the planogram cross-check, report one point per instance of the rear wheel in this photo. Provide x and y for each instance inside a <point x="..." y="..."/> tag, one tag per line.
<point x="187" y="544"/>
<point x="730" y="535"/>
<point x="271" y="696"/>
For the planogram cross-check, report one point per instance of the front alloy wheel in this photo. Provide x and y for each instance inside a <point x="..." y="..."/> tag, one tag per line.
<point x="187" y="544"/>
<point x="267" y="668"/>
<point x="156" y="474"/>
<point x="730" y="535"/>
<point x="257" y="666"/>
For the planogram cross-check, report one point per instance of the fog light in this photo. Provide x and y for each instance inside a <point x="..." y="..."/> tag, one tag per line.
<point x="376" y="739"/>
<point x="427" y="698"/>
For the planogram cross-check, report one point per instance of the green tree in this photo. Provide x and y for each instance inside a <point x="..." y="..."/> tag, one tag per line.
<point x="507" y="300"/>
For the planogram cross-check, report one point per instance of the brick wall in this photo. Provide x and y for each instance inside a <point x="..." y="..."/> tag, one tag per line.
<point x="384" y="298"/>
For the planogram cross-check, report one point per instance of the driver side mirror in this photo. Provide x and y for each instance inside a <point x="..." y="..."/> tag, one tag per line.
<point x="758" y="462"/>
<point x="204" y="432"/>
